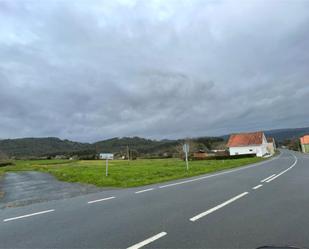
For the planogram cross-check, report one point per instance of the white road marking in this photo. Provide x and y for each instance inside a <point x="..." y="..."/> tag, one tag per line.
<point x="145" y="190"/>
<point x="217" y="174"/>
<point x="268" y="178"/>
<point x="28" y="215"/>
<point x="147" y="241"/>
<point x="258" y="186"/>
<point x="201" y="215"/>
<point x="104" y="199"/>
<point x="284" y="171"/>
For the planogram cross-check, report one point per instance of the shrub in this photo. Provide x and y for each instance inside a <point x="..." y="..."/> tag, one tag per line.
<point x="225" y="157"/>
<point x="6" y="163"/>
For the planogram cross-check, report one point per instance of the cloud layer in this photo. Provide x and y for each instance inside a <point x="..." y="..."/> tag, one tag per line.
<point x="87" y="70"/>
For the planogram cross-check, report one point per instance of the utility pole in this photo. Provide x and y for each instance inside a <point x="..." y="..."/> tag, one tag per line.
<point x="128" y="154"/>
<point x="186" y="151"/>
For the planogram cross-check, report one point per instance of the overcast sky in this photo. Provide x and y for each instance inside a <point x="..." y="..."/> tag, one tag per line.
<point x="88" y="70"/>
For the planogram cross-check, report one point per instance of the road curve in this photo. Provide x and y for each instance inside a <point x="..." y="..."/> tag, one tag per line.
<point x="266" y="203"/>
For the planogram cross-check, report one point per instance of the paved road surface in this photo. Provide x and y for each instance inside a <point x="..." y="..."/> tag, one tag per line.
<point x="224" y="210"/>
<point x="23" y="188"/>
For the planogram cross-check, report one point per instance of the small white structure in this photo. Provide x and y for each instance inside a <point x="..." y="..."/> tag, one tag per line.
<point x="271" y="145"/>
<point x="108" y="156"/>
<point x="248" y="143"/>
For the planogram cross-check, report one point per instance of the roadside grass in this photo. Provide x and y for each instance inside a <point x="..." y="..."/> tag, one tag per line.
<point x="1" y="192"/>
<point x="123" y="174"/>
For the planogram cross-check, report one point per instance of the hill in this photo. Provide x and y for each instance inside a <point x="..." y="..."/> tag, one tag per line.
<point x="36" y="147"/>
<point x="141" y="145"/>
<point x="51" y="146"/>
<point x="281" y="135"/>
<point x="44" y="147"/>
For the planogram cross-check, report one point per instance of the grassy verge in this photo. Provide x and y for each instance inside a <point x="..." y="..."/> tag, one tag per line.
<point x="121" y="174"/>
<point x="1" y="191"/>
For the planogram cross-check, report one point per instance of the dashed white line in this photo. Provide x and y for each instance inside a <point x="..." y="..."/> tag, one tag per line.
<point x="268" y="178"/>
<point x="147" y="241"/>
<point x="144" y="190"/>
<point x="258" y="186"/>
<point x="28" y="215"/>
<point x="104" y="199"/>
<point x="284" y="171"/>
<point x="201" y="215"/>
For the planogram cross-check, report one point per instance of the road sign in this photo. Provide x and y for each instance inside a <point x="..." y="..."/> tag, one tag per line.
<point x="106" y="156"/>
<point x="186" y="149"/>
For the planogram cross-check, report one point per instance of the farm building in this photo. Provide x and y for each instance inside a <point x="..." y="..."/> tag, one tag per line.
<point x="304" y="143"/>
<point x="271" y="145"/>
<point x="248" y="143"/>
<point x="200" y="155"/>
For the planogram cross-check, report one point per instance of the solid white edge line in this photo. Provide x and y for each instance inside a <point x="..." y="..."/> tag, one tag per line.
<point x="268" y="178"/>
<point x="28" y="215"/>
<point x="258" y="186"/>
<point x="147" y="241"/>
<point x="209" y="211"/>
<point x="217" y="174"/>
<point x="144" y="190"/>
<point x="104" y="199"/>
<point x="284" y="171"/>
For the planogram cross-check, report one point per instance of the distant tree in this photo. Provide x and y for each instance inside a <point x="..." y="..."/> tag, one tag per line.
<point x="179" y="150"/>
<point x="292" y="144"/>
<point x="133" y="154"/>
<point x="193" y="146"/>
<point x="3" y="156"/>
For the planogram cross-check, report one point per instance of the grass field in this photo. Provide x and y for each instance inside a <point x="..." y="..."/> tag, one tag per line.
<point x="124" y="174"/>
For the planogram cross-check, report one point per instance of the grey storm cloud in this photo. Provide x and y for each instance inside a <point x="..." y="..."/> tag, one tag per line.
<point x="87" y="70"/>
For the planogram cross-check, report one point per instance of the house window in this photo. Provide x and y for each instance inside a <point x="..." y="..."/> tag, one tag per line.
<point x="251" y="150"/>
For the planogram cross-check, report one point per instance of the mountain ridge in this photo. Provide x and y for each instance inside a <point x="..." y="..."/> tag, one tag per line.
<point x="51" y="146"/>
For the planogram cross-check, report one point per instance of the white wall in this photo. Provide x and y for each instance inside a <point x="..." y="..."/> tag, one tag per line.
<point x="259" y="150"/>
<point x="271" y="148"/>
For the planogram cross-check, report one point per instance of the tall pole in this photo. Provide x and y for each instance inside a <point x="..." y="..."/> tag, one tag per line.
<point x="187" y="163"/>
<point x="128" y="153"/>
<point x="186" y="150"/>
<point x="106" y="168"/>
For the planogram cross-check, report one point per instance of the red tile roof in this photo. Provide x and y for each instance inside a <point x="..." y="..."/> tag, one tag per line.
<point x="304" y="139"/>
<point x="245" y="139"/>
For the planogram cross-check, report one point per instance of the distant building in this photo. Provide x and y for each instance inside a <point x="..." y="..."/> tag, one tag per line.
<point x="60" y="157"/>
<point x="248" y="143"/>
<point x="75" y="157"/>
<point x="271" y="145"/>
<point x="200" y="155"/>
<point x="304" y="143"/>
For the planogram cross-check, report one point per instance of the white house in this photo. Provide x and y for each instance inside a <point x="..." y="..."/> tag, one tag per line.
<point x="248" y="143"/>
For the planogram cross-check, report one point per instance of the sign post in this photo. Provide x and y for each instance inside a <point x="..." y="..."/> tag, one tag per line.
<point x="106" y="156"/>
<point x="186" y="148"/>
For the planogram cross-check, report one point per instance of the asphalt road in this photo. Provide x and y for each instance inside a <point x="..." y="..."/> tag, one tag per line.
<point x="24" y="188"/>
<point x="224" y="210"/>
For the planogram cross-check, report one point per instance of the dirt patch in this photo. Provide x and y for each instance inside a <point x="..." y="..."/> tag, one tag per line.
<point x="24" y="188"/>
